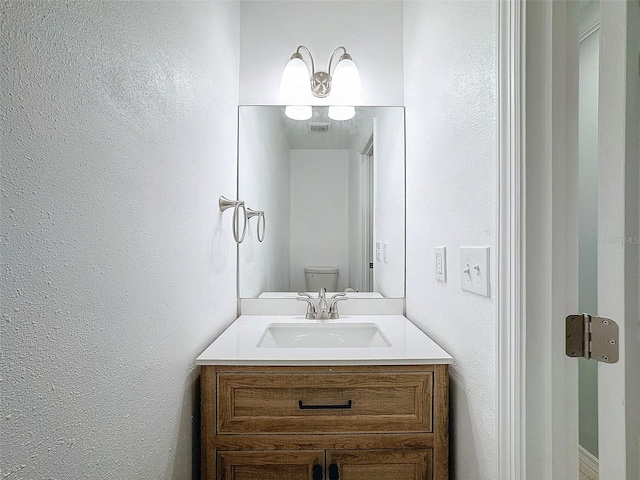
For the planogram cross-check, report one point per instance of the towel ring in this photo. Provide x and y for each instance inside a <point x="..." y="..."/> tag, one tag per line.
<point x="260" y="215"/>
<point x="224" y="204"/>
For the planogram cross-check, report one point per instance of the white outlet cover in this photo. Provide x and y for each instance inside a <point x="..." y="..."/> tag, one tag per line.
<point x="474" y="270"/>
<point x="440" y="259"/>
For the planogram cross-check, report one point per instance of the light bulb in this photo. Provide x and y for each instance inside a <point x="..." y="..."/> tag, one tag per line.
<point x="298" y="112"/>
<point x="295" y="81"/>
<point x="346" y="82"/>
<point x="341" y="112"/>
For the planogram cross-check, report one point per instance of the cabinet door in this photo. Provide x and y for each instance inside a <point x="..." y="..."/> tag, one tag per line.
<point x="380" y="464"/>
<point x="281" y="465"/>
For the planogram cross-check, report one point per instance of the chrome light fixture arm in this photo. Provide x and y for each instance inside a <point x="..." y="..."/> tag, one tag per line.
<point x="344" y="56"/>
<point x="297" y="54"/>
<point x="320" y="81"/>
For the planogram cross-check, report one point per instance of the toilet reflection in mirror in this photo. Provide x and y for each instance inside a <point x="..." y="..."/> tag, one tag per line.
<point x="317" y="278"/>
<point x="333" y="193"/>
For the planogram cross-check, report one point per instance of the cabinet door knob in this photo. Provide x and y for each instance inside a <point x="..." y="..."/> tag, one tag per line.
<point x="333" y="472"/>
<point x="317" y="472"/>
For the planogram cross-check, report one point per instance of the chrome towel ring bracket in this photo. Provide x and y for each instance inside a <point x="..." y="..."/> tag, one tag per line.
<point x="260" y="215"/>
<point x="224" y="204"/>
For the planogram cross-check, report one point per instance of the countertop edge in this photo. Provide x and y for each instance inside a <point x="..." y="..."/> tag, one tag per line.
<point x="324" y="363"/>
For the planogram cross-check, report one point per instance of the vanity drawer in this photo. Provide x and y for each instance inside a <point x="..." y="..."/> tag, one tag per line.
<point x="303" y="402"/>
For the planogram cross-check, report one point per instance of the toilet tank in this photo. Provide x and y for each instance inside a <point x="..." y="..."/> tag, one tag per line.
<point x="321" y="277"/>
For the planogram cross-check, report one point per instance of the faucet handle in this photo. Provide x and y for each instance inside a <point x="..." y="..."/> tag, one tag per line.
<point x="311" y="308"/>
<point x="304" y="294"/>
<point x="333" y="308"/>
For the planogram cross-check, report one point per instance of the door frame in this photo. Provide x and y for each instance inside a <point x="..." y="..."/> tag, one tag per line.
<point x="537" y="233"/>
<point x="510" y="292"/>
<point x="366" y="162"/>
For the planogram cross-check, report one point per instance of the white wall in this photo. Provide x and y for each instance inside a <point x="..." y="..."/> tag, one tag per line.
<point x="371" y="31"/>
<point x="118" y="136"/>
<point x="319" y="213"/>
<point x="389" y="208"/>
<point x="264" y="185"/>
<point x="450" y="98"/>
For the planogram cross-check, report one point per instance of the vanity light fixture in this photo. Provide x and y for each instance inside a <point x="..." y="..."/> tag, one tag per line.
<point x="344" y="81"/>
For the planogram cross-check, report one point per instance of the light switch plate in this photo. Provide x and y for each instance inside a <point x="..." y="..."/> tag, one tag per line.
<point x="474" y="270"/>
<point x="440" y="258"/>
<point x="385" y="252"/>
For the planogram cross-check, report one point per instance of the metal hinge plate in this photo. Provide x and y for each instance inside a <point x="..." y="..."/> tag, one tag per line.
<point x="592" y="337"/>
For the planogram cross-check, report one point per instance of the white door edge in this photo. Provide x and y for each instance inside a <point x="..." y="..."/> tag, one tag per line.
<point x="549" y="423"/>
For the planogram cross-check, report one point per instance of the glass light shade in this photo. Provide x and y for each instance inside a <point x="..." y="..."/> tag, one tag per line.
<point x="298" y="112"/>
<point x="341" y="112"/>
<point x="295" y="83"/>
<point x="346" y="81"/>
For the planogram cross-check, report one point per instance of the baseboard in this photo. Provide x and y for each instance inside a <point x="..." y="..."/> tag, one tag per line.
<point x="588" y="464"/>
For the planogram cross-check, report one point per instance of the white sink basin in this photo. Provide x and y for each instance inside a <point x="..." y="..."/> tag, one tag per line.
<point x="322" y="335"/>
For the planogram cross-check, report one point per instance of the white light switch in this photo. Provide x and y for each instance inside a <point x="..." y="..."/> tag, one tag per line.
<point x="474" y="270"/>
<point x="441" y="263"/>
<point x="378" y="251"/>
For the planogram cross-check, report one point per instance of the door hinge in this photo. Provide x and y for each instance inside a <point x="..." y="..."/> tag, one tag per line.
<point x="592" y="337"/>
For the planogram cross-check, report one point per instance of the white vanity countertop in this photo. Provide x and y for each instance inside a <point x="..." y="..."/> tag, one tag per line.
<point x="238" y="344"/>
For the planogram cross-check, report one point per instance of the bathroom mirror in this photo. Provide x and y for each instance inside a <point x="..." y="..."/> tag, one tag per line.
<point x="333" y="197"/>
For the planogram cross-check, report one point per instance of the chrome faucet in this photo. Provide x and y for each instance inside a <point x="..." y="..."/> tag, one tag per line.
<point x="323" y="309"/>
<point x="333" y="308"/>
<point x="311" y="308"/>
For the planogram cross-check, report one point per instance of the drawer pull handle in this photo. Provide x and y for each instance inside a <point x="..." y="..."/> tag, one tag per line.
<point x="301" y="406"/>
<point x="317" y="472"/>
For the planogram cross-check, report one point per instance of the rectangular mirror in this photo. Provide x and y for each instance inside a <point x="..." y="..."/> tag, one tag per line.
<point x="333" y="197"/>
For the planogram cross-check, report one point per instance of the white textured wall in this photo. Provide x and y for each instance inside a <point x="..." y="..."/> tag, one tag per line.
<point x="264" y="185"/>
<point x="319" y="213"/>
<point x="450" y="98"/>
<point x="371" y="31"/>
<point x="118" y="136"/>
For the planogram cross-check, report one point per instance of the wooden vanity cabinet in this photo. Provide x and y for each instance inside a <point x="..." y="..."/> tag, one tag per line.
<point x="311" y="423"/>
